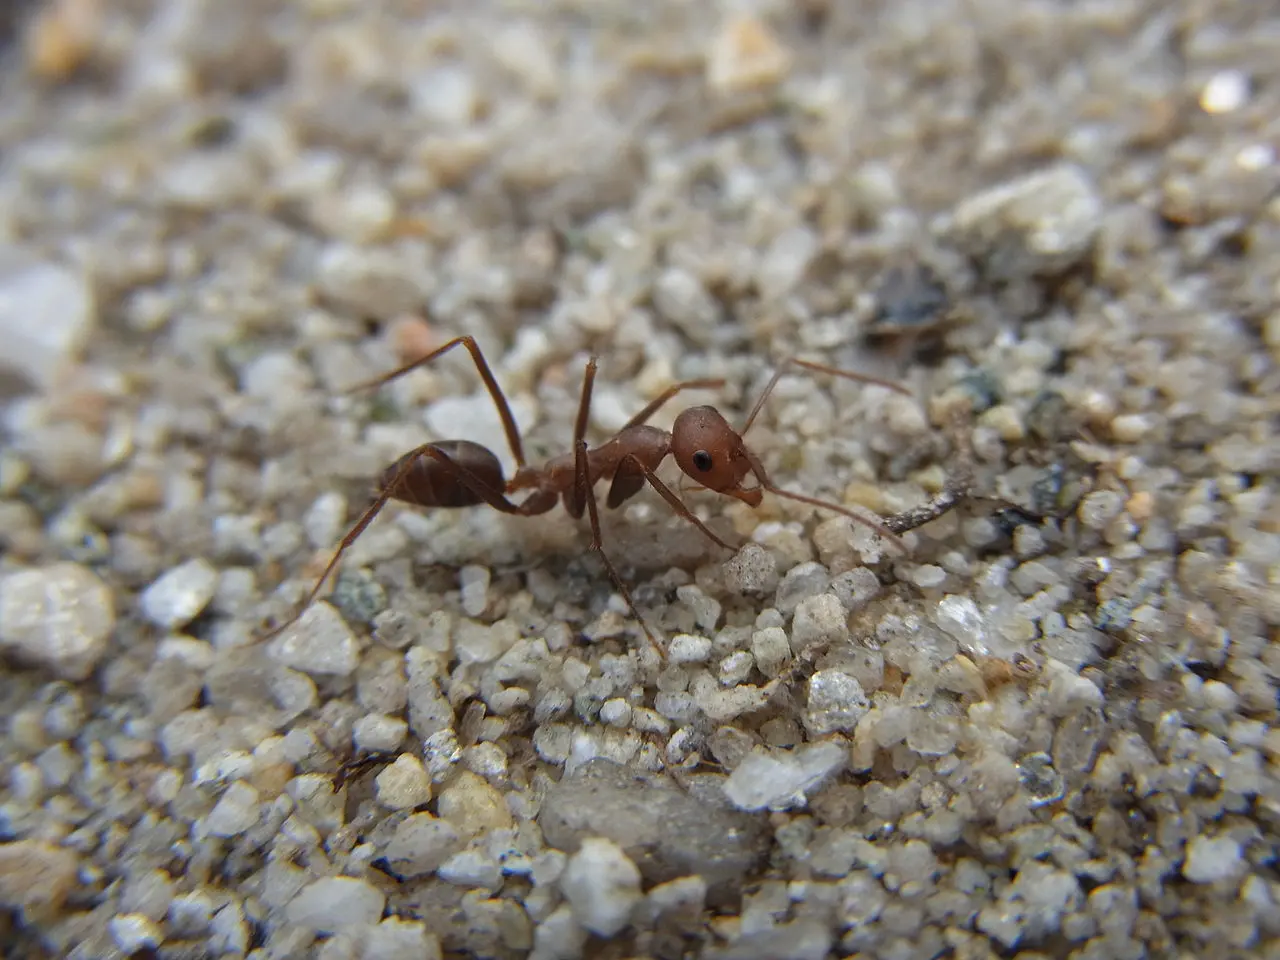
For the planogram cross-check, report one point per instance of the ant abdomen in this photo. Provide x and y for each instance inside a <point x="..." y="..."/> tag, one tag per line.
<point x="428" y="481"/>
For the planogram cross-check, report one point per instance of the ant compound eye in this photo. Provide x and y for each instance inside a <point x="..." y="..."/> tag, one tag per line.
<point x="702" y="460"/>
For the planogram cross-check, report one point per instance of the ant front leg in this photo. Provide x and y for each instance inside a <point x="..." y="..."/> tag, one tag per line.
<point x="876" y="525"/>
<point x="632" y="466"/>
<point x="634" y="469"/>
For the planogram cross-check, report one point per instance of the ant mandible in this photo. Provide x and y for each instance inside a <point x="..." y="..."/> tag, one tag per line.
<point x="461" y="473"/>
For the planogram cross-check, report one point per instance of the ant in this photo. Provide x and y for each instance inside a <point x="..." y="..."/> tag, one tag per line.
<point x="706" y="448"/>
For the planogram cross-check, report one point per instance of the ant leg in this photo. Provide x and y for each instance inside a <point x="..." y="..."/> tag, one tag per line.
<point x="657" y="402"/>
<point x="674" y="501"/>
<point x="580" y="493"/>
<point x="820" y="368"/>
<point x="366" y="518"/>
<point x="534" y="504"/>
<point x="583" y="482"/>
<point x="877" y="525"/>
<point x="584" y="403"/>
<point x="583" y="496"/>
<point x="491" y="384"/>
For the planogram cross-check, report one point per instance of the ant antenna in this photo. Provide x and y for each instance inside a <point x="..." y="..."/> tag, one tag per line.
<point x="820" y="368"/>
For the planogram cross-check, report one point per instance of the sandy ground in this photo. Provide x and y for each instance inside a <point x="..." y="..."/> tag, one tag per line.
<point x="1041" y="726"/>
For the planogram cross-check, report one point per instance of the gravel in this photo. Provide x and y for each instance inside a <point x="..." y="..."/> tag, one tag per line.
<point x="180" y="595"/>
<point x="336" y="902"/>
<point x="47" y="315"/>
<point x="1043" y="223"/>
<point x="1044" y="726"/>
<point x="781" y="779"/>
<point x="238" y="809"/>
<point x="60" y="617"/>
<point x="667" y="832"/>
<point x="404" y="785"/>
<point x="320" y="643"/>
<point x="36" y="878"/>
<point x="602" y="886"/>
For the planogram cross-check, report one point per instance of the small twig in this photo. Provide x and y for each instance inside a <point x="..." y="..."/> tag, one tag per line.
<point x="957" y="489"/>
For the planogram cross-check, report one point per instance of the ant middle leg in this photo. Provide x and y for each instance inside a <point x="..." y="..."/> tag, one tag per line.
<point x="575" y="500"/>
<point x="584" y="403"/>
<point x="582" y="480"/>
<point x="509" y="426"/>
<point x="582" y="496"/>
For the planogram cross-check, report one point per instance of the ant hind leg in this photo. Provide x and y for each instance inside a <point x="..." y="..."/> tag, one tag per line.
<point x="460" y="473"/>
<point x="509" y="426"/>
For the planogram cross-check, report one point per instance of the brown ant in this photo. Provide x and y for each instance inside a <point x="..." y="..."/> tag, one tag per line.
<point x="461" y="473"/>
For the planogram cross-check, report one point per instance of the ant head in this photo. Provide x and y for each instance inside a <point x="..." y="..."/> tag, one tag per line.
<point x="712" y="453"/>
